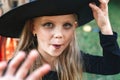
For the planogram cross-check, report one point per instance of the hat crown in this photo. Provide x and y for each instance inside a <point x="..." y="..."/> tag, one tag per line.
<point x="12" y="22"/>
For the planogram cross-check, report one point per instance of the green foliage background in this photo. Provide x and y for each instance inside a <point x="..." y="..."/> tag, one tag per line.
<point x="89" y="41"/>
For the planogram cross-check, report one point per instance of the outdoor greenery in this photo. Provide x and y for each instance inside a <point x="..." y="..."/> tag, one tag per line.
<point x="89" y="41"/>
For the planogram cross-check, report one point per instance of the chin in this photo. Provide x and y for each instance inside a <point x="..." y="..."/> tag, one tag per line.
<point x="55" y="54"/>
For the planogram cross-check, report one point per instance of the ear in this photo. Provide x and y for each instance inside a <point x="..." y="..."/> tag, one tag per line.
<point x="76" y="24"/>
<point x="33" y="28"/>
<point x="33" y="31"/>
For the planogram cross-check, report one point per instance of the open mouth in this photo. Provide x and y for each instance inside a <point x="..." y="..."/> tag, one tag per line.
<point x="56" y="46"/>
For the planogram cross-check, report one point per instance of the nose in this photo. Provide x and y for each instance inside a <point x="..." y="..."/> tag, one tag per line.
<point x="58" y="33"/>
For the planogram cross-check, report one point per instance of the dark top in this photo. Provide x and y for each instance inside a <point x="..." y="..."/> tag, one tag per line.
<point x="108" y="64"/>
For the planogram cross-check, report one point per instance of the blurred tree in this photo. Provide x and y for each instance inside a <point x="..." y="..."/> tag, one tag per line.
<point x="116" y="2"/>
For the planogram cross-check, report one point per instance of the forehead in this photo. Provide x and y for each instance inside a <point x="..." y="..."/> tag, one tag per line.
<point x="57" y="17"/>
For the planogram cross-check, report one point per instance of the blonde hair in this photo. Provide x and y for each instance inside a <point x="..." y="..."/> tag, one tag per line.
<point x="69" y="63"/>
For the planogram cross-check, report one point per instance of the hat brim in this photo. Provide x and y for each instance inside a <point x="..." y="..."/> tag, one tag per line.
<point x="12" y="22"/>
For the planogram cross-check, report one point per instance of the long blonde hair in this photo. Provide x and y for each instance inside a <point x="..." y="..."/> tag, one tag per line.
<point x="69" y="63"/>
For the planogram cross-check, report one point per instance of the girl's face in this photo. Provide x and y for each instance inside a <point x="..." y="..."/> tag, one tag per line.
<point x="54" y="33"/>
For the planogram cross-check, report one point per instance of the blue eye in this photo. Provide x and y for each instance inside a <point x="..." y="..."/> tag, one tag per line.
<point x="67" y="25"/>
<point x="48" y="25"/>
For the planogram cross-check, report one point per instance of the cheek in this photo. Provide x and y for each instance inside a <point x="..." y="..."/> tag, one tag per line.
<point x="43" y="36"/>
<point x="69" y="36"/>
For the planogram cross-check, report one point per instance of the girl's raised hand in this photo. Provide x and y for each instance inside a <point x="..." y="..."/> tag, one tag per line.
<point x="17" y="71"/>
<point x="102" y="17"/>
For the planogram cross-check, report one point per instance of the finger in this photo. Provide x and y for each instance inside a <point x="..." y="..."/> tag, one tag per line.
<point x="23" y="70"/>
<point x="104" y="1"/>
<point x="94" y="7"/>
<point x="15" y="62"/>
<point x="104" y="5"/>
<point x="3" y="65"/>
<point x="39" y="73"/>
